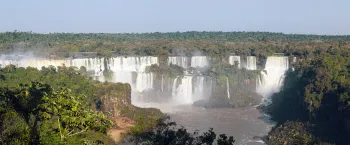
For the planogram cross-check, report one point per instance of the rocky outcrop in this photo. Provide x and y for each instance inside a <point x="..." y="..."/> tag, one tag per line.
<point x="116" y="99"/>
<point x="113" y="96"/>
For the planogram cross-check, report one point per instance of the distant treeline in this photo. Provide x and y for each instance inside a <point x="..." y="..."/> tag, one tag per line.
<point x="15" y="36"/>
<point x="259" y="44"/>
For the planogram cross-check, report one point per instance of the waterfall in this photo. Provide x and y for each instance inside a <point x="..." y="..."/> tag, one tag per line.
<point x="251" y="63"/>
<point x="183" y="94"/>
<point x="130" y="64"/>
<point x="124" y="67"/>
<point x="233" y="59"/>
<point x="272" y="76"/>
<point x="144" y="81"/>
<point x="173" y="93"/>
<point x="162" y="87"/>
<point x="185" y="62"/>
<point x="199" y="61"/>
<point x="248" y="63"/>
<point x="191" y="88"/>
<point x="179" y="60"/>
<point x="258" y="82"/>
<point x="199" y="88"/>
<point x="39" y="63"/>
<point x="91" y="64"/>
<point x="228" y="88"/>
<point x="210" y="88"/>
<point x="184" y="90"/>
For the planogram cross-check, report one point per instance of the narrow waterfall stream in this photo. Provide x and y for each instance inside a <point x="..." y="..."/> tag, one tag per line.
<point x="228" y="88"/>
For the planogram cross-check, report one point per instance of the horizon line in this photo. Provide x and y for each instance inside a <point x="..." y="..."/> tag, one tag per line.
<point x="45" y="33"/>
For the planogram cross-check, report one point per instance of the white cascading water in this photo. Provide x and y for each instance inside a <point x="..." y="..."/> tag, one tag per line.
<point x="42" y="62"/>
<point x="258" y="82"/>
<point x="199" y="61"/>
<point x="131" y="70"/>
<point x="173" y="90"/>
<point x="188" y="90"/>
<point x="234" y="59"/>
<point x="179" y="60"/>
<point x="228" y="88"/>
<point x="144" y="81"/>
<point x="198" y="88"/>
<point x="251" y="63"/>
<point x="124" y="67"/>
<point x="131" y="64"/>
<point x="162" y="83"/>
<point x="91" y="64"/>
<point x="272" y="76"/>
<point x="183" y="93"/>
<point x="185" y="62"/>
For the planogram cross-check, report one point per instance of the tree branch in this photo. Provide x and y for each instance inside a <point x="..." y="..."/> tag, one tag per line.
<point x="80" y="131"/>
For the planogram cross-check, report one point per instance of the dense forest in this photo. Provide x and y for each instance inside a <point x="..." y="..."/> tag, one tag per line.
<point x="260" y="44"/>
<point x="313" y="106"/>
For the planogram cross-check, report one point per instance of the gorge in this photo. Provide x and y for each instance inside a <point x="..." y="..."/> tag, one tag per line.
<point x="236" y="82"/>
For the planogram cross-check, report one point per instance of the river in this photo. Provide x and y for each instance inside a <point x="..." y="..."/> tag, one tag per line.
<point x="245" y="124"/>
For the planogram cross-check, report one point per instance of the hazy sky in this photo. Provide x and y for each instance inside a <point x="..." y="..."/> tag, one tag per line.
<point x="116" y="16"/>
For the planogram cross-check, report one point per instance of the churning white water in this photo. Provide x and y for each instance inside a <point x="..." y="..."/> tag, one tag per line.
<point x="272" y="76"/>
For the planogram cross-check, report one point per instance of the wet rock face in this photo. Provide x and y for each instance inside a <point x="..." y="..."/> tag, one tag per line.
<point x="113" y="96"/>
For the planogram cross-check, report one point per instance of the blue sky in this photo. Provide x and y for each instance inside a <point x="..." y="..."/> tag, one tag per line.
<point x="119" y="16"/>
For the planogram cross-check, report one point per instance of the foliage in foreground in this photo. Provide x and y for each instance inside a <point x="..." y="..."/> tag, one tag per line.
<point x="38" y="114"/>
<point x="167" y="133"/>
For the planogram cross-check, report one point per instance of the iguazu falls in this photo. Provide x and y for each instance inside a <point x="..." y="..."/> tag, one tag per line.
<point x="174" y="72"/>
<point x="193" y="84"/>
<point x="194" y="81"/>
